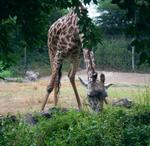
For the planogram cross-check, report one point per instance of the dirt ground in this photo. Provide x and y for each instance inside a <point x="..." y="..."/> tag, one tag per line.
<point x="116" y="77"/>
<point x="123" y="77"/>
<point x="26" y="97"/>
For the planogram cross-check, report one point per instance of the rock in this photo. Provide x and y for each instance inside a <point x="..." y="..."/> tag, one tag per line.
<point x="30" y="119"/>
<point x="124" y="102"/>
<point x="54" y="110"/>
<point x="13" y="118"/>
<point x="46" y="115"/>
<point x="64" y="110"/>
<point x="32" y="76"/>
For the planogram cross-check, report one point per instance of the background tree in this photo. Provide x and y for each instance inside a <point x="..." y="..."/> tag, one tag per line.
<point x="118" y="27"/>
<point x="24" y="25"/>
<point x="31" y="22"/>
<point x="112" y="19"/>
<point x="137" y="12"/>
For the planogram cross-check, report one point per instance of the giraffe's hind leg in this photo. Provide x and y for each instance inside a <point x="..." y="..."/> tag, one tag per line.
<point x="71" y="76"/>
<point x="55" y="95"/>
<point x="57" y="85"/>
<point x="55" y="69"/>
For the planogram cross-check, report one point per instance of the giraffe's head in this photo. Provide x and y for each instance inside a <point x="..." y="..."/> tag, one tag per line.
<point x="98" y="86"/>
<point x="97" y="92"/>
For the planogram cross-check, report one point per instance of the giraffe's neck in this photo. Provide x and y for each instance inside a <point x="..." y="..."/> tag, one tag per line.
<point x="89" y="61"/>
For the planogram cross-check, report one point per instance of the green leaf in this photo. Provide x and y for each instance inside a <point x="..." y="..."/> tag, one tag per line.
<point x="95" y="2"/>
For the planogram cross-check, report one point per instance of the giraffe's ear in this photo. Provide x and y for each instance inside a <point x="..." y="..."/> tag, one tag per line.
<point x="102" y="78"/>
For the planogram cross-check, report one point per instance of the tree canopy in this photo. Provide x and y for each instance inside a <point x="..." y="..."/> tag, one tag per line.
<point x="112" y="19"/>
<point x="25" y="24"/>
<point x="137" y="12"/>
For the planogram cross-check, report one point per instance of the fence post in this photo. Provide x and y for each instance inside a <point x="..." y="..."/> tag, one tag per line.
<point x="133" y="56"/>
<point x="25" y="59"/>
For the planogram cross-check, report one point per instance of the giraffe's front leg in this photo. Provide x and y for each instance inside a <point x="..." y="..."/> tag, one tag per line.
<point x="49" y="89"/>
<point x="56" y="66"/>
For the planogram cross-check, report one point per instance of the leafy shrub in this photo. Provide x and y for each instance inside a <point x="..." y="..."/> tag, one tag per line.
<point x="4" y="72"/>
<point x="114" y="126"/>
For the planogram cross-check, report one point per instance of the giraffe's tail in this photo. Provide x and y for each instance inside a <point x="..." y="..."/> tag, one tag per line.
<point x="58" y="80"/>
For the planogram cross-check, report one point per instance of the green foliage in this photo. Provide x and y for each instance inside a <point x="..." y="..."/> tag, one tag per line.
<point x="91" y="33"/>
<point x="7" y="31"/>
<point x="112" y="20"/>
<point x="114" y="54"/>
<point x="117" y="46"/>
<point x="5" y="72"/>
<point x="24" y="24"/>
<point x="30" y="24"/>
<point x="114" y="126"/>
<point x="131" y="18"/>
<point x="138" y="25"/>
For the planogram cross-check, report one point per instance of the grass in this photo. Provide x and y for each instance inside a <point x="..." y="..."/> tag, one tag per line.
<point x="134" y="93"/>
<point x="25" y="97"/>
<point x="115" y="126"/>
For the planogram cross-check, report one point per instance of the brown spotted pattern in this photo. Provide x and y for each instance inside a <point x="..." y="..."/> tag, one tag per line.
<point x="64" y="42"/>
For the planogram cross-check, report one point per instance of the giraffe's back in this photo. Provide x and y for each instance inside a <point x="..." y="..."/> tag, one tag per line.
<point x="64" y="36"/>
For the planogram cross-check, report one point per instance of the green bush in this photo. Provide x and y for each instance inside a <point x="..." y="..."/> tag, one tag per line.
<point x="112" y="127"/>
<point x="5" y="72"/>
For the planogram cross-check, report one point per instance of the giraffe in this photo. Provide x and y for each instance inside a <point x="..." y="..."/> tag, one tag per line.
<point x="64" y="42"/>
<point x="96" y="90"/>
<point x="89" y="62"/>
